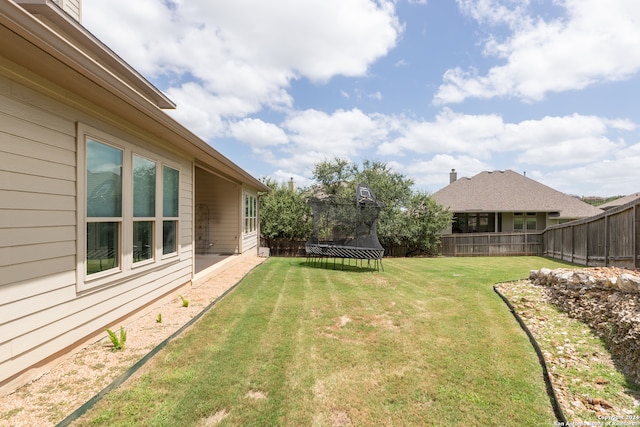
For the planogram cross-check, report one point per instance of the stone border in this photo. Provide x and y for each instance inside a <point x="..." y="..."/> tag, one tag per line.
<point x="605" y="298"/>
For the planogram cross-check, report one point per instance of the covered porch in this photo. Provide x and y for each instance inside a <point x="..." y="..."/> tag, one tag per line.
<point x="217" y="221"/>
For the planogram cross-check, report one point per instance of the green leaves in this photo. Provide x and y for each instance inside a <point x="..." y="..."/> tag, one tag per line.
<point x="185" y="302"/>
<point x="408" y="218"/>
<point x="284" y="213"/>
<point x="117" y="341"/>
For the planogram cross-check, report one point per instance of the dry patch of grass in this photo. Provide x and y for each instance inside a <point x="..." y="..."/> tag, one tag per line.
<point x="214" y="419"/>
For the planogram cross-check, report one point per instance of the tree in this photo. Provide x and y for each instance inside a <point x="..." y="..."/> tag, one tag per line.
<point x="408" y="218"/>
<point x="332" y="176"/>
<point x="394" y="190"/>
<point x="423" y="220"/>
<point x="284" y="213"/>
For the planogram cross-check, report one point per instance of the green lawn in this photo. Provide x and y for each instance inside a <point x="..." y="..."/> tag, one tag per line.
<point x="427" y="342"/>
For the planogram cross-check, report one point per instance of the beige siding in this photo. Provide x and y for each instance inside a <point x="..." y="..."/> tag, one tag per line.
<point x="221" y="197"/>
<point x="507" y="222"/>
<point x="541" y="220"/>
<point x="72" y="7"/>
<point x="41" y="310"/>
<point x="37" y="192"/>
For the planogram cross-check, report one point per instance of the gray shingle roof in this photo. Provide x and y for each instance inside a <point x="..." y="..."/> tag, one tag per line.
<point x="508" y="191"/>
<point x="619" y="202"/>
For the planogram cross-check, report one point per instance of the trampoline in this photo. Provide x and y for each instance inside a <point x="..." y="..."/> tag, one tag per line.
<point x="346" y="231"/>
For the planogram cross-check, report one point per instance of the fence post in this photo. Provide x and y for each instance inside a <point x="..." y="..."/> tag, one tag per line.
<point x="635" y="236"/>
<point x="606" y="240"/>
<point x="573" y="245"/>
<point x="455" y="246"/>
<point x="586" y="251"/>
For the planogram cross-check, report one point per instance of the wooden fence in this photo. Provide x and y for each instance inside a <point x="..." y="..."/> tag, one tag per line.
<point x="296" y="248"/>
<point x="285" y="247"/>
<point x="492" y="244"/>
<point x="609" y="239"/>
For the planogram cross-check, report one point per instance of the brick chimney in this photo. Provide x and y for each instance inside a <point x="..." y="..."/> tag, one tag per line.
<point x="453" y="176"/>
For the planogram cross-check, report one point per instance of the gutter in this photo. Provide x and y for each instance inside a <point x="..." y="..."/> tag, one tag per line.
<point x="137" y="101"/>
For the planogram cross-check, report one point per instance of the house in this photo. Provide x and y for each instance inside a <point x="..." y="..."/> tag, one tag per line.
<point x="619" y="201"/>
<point x="505" y="202"/>
<point x="107" y="204"/>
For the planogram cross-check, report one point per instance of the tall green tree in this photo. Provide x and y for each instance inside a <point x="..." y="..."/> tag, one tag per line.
<point x="284" y="213"/>
<point x="423" y="221"/>
<point x="408" y="218"/>
<point x="394" y="190"/>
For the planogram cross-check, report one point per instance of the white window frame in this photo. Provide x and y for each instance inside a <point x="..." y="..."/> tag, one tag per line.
<point x="250" y="220"/>
<point x="524" y="220"/>
<point x="126" y="268"/>
<point x="154" y="219"/>
<point x="175" y="219"/>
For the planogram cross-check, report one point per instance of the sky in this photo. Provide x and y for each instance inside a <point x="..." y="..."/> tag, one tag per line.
<point x="549" y="88"/>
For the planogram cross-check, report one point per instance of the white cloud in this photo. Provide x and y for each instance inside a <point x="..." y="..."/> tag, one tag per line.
<point x="616" y="174"/>
<point x="315" y="136"/>
<point x="494" y="12"/>
<point x="468" y="143"/>
<point x="558" y="141"/>
<point x="450" y="132"/>
<point x="595" y="42"/>
<point x="434" y="173"/>
<point x="550" y="141"/>
<point x="242" y="54"/>
<point x="258" y="133"/>
<point x="342" y="134"/>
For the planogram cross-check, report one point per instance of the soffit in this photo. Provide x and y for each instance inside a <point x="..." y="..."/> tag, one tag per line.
<point x="73" y="32"/>
<point x="82" y="82"/>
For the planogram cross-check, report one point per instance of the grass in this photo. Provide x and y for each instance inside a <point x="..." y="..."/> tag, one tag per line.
<point x="426" y="342"/>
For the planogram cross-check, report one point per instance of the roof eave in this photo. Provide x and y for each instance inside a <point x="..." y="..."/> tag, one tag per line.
<point x="59" y="21"/>
<point x="51" y="54"/>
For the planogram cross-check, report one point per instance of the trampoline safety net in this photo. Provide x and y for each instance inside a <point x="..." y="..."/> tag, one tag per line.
<point x="346" y="230"/>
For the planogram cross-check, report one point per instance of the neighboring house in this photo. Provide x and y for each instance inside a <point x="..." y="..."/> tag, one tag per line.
<point x="505" y="202"/>
<point x="106" y="203"/>
<point x="619" y="201"/>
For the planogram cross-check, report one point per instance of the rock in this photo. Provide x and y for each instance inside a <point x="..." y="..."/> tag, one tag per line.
<point x="596" y="401"/>
<point x="611" y="307"/>
<point x="628" y="283"/>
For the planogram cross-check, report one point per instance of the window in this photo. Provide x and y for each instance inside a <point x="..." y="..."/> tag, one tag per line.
<point x="518" y="222"/>
<point x="474" y="223"/>
<point x="128" y="209"/>
<point x="531" y="221"/>
<point x="170" y="208"/>
<point x="522" y="220"/>
<point x="103" y="206"/>
<point x="144" y="208"/>
<point x="250" y="213"/>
